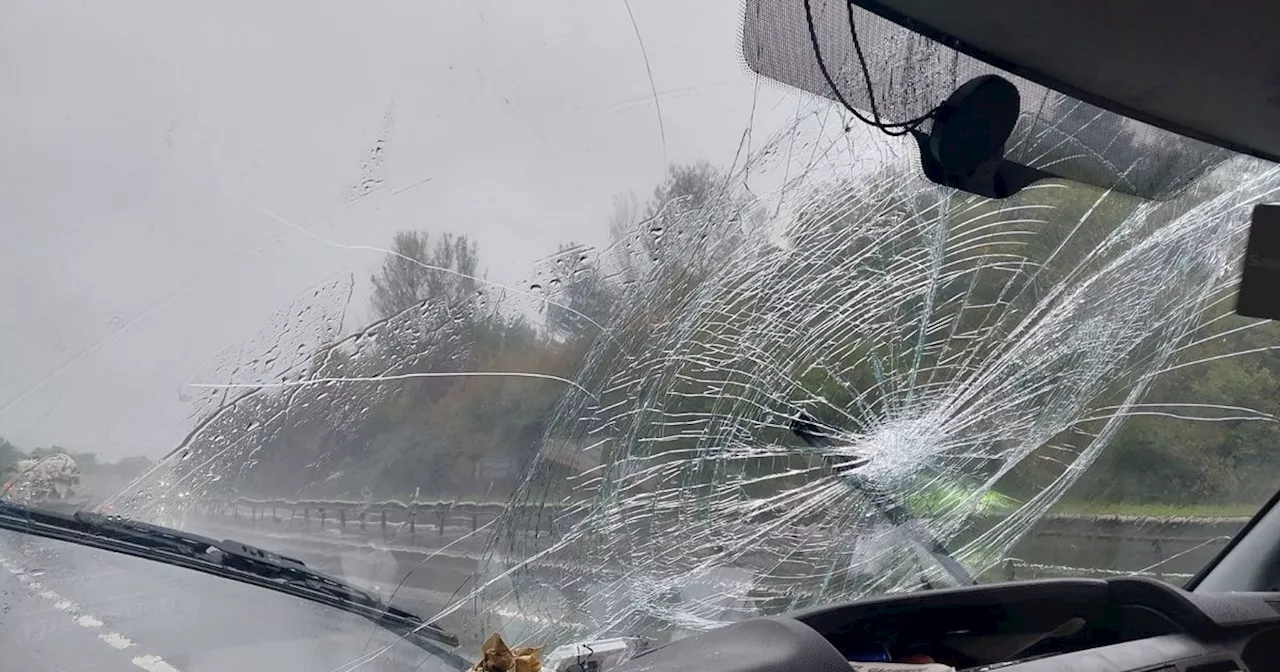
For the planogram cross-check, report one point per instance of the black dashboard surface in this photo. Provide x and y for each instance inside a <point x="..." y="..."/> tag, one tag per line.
<point x="1122" y="625"/>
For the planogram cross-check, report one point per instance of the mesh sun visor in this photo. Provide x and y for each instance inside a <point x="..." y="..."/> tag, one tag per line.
<point x="911" y="74"/>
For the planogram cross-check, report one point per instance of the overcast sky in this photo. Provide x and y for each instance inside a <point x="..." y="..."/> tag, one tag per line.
<point x="144" y="141"/>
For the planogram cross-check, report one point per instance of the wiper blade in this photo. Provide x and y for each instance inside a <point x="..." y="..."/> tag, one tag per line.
<point x="807" y="428"/>
<point x="228" y="559"/>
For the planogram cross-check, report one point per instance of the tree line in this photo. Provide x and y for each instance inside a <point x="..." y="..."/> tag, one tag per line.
<point x="420" y="423"/>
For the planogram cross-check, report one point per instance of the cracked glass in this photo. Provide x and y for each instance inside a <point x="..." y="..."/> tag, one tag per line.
<point x="585" y="320"/>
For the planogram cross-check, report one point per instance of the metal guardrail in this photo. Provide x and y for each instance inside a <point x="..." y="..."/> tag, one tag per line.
<point x="1015" y="569"/>
<point x="386" y="514"/>
<point x="1102" y="527"/>
<point x="1165" y="539"/>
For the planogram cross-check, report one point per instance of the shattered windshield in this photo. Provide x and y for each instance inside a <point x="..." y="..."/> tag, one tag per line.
<point x="575" y="321"/>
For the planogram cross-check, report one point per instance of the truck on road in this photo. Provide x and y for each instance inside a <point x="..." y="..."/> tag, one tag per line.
<point x="51" y="481"/>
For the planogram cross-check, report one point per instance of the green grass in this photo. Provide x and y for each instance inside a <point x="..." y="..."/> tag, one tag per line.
<point x="1156" y="510"/>
<point x="936" y="499"/>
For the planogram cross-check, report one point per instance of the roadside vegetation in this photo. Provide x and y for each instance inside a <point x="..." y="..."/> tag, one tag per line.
<point x="473" y="437"/>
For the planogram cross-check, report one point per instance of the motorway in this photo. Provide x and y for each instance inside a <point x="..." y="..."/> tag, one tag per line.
<point x="64" y="607"/>
<point x="426" y="573"/>
<point x="67" y="607"/>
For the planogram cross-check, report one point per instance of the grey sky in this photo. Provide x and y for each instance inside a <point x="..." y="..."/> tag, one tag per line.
<point x="142" y="140"/>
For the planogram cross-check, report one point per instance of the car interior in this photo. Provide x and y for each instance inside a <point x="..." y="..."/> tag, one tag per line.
<point x="1159" y="93"/>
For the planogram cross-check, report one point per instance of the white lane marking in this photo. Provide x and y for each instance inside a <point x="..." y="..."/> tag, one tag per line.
<point x="115" y="640"/>
<point x="87" y="621"/>
<point x="153" y="664"/>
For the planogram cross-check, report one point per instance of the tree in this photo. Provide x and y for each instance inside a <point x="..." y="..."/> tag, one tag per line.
<point x="9" y="454"/>
<point x="403" y="280"/>
<point x="690" y="193"/>
<point x="413" y="272"/>
<point x="687" y="187"/>
<point x="461" y="256"/>
<point x="642" y="234"/>
<point x="586" y="297"/>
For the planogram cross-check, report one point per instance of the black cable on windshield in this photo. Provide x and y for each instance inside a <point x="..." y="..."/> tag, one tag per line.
<point x="893" y="129"/>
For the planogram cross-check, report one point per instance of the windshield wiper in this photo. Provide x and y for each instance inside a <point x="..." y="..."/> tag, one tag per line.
<point x="227" y="559"/>
<point x="917" y="534"/>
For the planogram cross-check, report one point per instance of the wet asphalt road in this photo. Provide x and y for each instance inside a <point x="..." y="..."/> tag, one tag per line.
<point x="67" y="607"/>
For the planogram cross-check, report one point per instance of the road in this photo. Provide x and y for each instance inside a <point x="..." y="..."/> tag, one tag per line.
<point x="64" y="607"/>
<point x="425" y="576"/>
<point x="67" y="607"/>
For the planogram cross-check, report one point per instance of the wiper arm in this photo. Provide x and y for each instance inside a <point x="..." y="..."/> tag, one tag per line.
<point x="227" y="559"/>
<point x="809" y="431"/>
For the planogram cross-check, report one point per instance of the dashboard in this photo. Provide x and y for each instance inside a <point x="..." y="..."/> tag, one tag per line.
<point x="1118" y="625"/>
